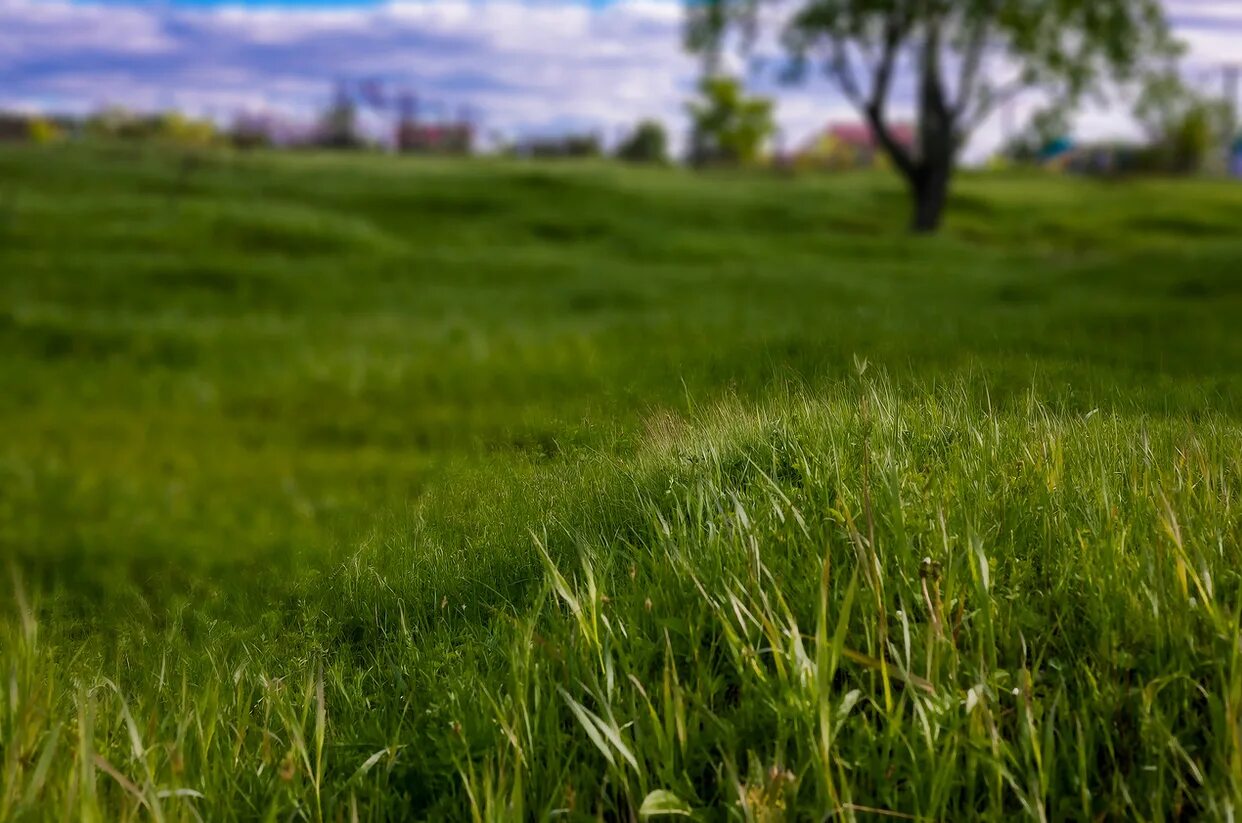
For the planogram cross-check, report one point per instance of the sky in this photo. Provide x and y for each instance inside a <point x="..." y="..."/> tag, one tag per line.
<point x="522" y="67"/>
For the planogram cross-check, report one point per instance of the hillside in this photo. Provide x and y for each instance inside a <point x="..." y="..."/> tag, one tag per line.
<point x="368" y="486"/>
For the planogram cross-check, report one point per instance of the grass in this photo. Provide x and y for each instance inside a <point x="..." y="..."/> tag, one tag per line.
<point x="363" y="488"/>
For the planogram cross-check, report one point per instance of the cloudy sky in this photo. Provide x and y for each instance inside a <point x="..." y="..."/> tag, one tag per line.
<point x="525" y="66"/>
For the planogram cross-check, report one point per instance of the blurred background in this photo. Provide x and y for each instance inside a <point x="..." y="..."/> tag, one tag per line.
<point x="528" y="78"/>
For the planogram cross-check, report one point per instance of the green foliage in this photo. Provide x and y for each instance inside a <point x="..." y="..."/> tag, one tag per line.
<point x="179" y="130"/>
<point x="1045" y="126"/>
<point x="648" y="143"/>
<point x="968" y="57"/>
<point x="247" y="135"/>
<point x="580" y="145"/>
<point x="110" y="122"/>
<point x="167" y="128"/>
<point x="1069" y="44"/>
<point x="728" y="127"/>
<point x="338" y="125"/>
<point x="43" y="131"/>
<point x="1184" y="126"/>
<point x="483" y="490"/>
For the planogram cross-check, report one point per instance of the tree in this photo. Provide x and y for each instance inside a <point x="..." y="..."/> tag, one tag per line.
<point x="966" y="57"/>
<point x="1045" y="128"/>
<point x="728" y="127"/>
<point x="43" y="130"/>
<point x="338" y="127"/>
<point x="648" y="143"/>
<point x="583" y="144"/>
<point x="176" y="129"/>
<point x="1182" y="124"/>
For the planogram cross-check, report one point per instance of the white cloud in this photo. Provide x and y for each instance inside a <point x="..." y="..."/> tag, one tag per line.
<point x="33" y="28"/>
<point x="524" y="65"/>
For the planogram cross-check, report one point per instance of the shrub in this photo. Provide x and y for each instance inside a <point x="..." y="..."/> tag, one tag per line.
<point x="648" y="143"/>
<point x="729" y="127"/>
<point x="44" y="131"/>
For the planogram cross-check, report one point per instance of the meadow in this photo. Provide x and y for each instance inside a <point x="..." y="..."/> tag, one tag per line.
<point x="358" y="488"/>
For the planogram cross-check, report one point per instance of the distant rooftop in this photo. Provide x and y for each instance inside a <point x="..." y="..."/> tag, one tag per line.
<point x="861" y="135"/>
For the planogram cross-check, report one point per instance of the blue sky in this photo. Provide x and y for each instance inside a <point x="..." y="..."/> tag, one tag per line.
<point x="524" y="66"/>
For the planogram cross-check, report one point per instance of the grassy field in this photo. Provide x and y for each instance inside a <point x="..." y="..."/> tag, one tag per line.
<point x="363" y="488"/>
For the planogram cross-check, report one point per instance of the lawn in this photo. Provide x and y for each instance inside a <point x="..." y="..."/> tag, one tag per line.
<point x="359" y="487"/>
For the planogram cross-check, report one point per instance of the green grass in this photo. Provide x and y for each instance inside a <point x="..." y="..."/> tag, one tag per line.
<point x="359" y="487"/>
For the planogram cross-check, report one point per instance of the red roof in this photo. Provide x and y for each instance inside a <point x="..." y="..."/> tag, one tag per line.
<point x="419" y="131"/>
<point x="861" y="135"/>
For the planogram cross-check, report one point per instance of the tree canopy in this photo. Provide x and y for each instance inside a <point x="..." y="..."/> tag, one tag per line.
<point x="648" y="143"/>
<point x="965" y="57"/>
<point x="729" y="127"/>
<point x="1183" y="125"/>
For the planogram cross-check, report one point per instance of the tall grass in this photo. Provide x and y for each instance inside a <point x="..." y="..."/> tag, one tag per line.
<point x="355" y="489"/>
<point x="879" y="604"/>
<point x="859" y="603"/>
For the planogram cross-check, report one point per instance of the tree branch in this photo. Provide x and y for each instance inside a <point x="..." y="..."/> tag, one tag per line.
<point x="841" y="69"/>
<point x="994" y="99"/>
<point x="937" y="129"/>
<point x="972" y="62"/>
<point x="932" y="92"/>
<point x="902" y="158"/>
<point x="896" y="28"/>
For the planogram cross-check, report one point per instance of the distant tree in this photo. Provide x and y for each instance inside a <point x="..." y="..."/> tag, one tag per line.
<point x="43" y="130"/>
<point x="648" y="143"/>
<point x="966" y="57"/>
<point x="338" y="128"/>
<point x="111" y="122"/>
<point x="1045" y="127"/>
<point x="169" y="128"/>
<point x="1184" y="126"/>
<point x="176" y="129"/>
<point x="728" y="126"/>
<point x="581" y="145"/>
<point x="250" y="132"/>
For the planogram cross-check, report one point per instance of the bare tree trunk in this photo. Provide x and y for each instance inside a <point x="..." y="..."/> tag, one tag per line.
<point x="931" y="175"/>
<point x="929" y="189"/>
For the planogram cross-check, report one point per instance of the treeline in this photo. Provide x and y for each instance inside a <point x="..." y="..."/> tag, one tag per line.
<point x="167" y="127"/>
<point x="728" y="127"/>
<point x="647" y="142"/>
<point x="1185" y="131"/>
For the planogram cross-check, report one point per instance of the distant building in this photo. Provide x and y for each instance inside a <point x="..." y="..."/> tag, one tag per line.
<point x="843" y="146"/>
<point x="434" y="138"/>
